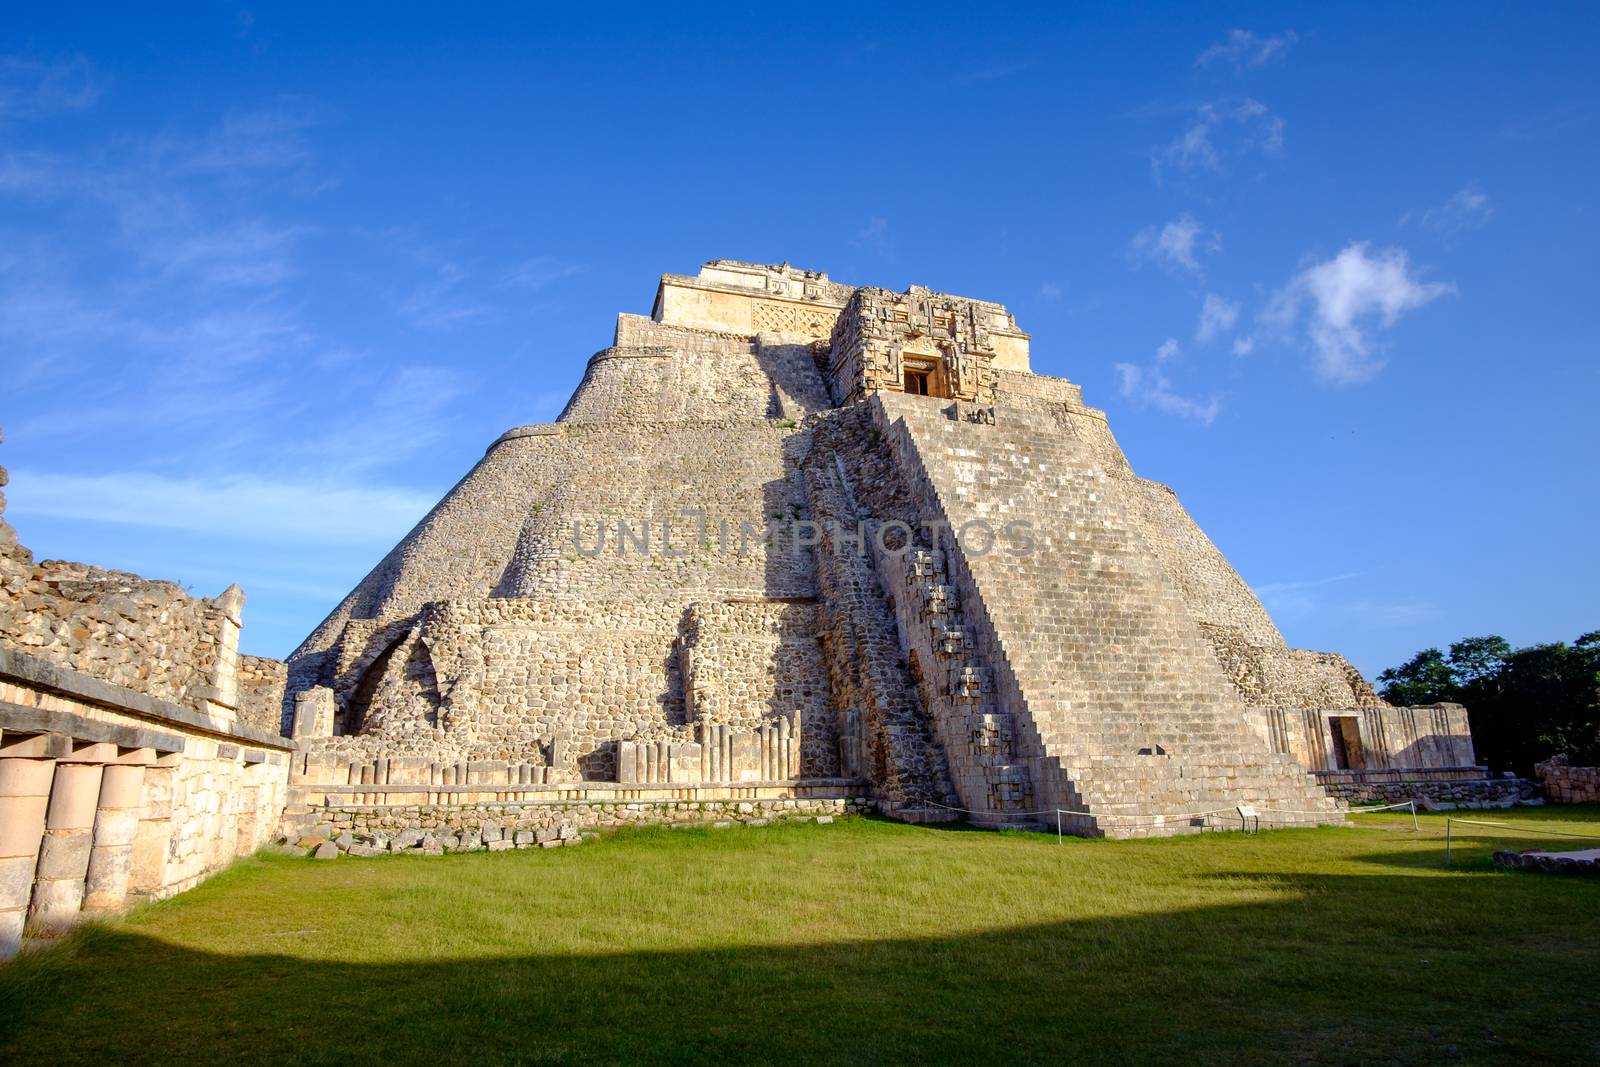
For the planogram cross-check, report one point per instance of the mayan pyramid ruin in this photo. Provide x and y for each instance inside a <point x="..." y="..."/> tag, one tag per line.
<point x="795" y="538"/>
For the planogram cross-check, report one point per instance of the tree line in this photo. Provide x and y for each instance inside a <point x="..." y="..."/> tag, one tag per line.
<point x="1524" y="704"/>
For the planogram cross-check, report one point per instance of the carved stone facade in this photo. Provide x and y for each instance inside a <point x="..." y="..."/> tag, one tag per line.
<point x="922" y="342"/>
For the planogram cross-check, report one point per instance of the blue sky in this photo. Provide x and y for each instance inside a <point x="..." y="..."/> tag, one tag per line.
<point x="272" y="278"/>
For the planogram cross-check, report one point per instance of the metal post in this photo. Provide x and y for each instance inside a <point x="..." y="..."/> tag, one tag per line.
<point x="1058" y="827"/>
<point x="1447" y="859"/>
<point x="1414" y="825"/>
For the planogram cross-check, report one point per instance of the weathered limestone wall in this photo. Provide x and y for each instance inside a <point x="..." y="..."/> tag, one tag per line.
<point x="109" y="796"/>
<point x="1565" y="784"/>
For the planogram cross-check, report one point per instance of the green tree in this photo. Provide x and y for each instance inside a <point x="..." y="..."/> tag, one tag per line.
<point x="1423" y="679"/>
<point x="1474" y="659"/>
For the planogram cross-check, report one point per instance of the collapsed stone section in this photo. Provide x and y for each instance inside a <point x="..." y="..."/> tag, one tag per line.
<point x="626" y="595"/>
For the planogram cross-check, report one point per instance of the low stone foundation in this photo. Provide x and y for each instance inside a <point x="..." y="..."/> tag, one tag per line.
<point x="438" y="828"/>
<point x="1586" y="862"/>
<point x="1442" y="789"/>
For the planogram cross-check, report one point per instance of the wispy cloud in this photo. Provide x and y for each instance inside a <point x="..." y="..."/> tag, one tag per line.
<point x="1178" y="245"/>
<point x="1217" y="316"/>
<point x="1219" y="129"/>
<point x="1149" y="385"/>
<point x="247" y="507"/>
<point x="1387" y="613"/>
<point x="1049" y="291"/>
<point x="539" y="272"/>
<point x="1342" y="301"/>
<point x="251" y="253"/>
<point x="1297" y="599"/>
<point x="440" y="302"/>
<point x="1467" y="209"/>
<point x="1242" y="49"/>
<point x="32" y="88"/>
<point x="874" y="237"/>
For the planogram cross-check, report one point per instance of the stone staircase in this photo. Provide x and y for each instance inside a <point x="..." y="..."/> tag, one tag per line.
<point x="1119" y="705"/>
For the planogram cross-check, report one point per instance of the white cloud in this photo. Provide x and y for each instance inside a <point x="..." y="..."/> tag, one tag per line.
<point x="249" y="507"/>
<point x="1217" y="317"/>
<point x="1242" y="49"/>
<point x="1342" y="300"/>
<point x="1150" y="386"/>
<point x="33" y="88"/>
<point x="1468" y="209"/>
<point x="1050" y="291"/>
<point x="1177" y="246"/>
<point x="1243" y="346"/>
<point x="1249" y="124"/>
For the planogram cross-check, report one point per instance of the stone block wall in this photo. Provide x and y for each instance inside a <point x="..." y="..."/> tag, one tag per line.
<point x="1566" y="784"/>
<point x="1444" y="791"/>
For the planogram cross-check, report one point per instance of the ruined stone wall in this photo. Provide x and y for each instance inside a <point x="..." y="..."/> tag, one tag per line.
<point x="1278" y="676"/>
<point x="261" y="683"/>
<point x="147" y="635"/>
<point x="1566" y="784"/>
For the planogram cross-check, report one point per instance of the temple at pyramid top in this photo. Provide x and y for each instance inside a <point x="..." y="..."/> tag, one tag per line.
<point x="920" y="341"/>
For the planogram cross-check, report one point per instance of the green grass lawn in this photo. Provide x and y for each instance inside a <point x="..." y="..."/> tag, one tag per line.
<point x="864" y="941"/>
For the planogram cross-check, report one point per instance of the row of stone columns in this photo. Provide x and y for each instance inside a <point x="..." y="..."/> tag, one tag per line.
<point x="68" y="828"/>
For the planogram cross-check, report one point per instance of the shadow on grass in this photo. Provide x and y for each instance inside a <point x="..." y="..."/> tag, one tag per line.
<point x="1323" y="969"/>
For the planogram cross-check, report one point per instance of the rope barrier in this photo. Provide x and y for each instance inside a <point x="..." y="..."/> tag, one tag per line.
<point x="969" y="811"/>
<point x="1525" y="829"/>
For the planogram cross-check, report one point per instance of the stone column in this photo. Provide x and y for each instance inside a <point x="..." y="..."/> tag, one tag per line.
<point x="116" y="825"/>
<point x="153" y="838"/>
<point x="68" y="838"/>
<point x="24" y="796"/>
